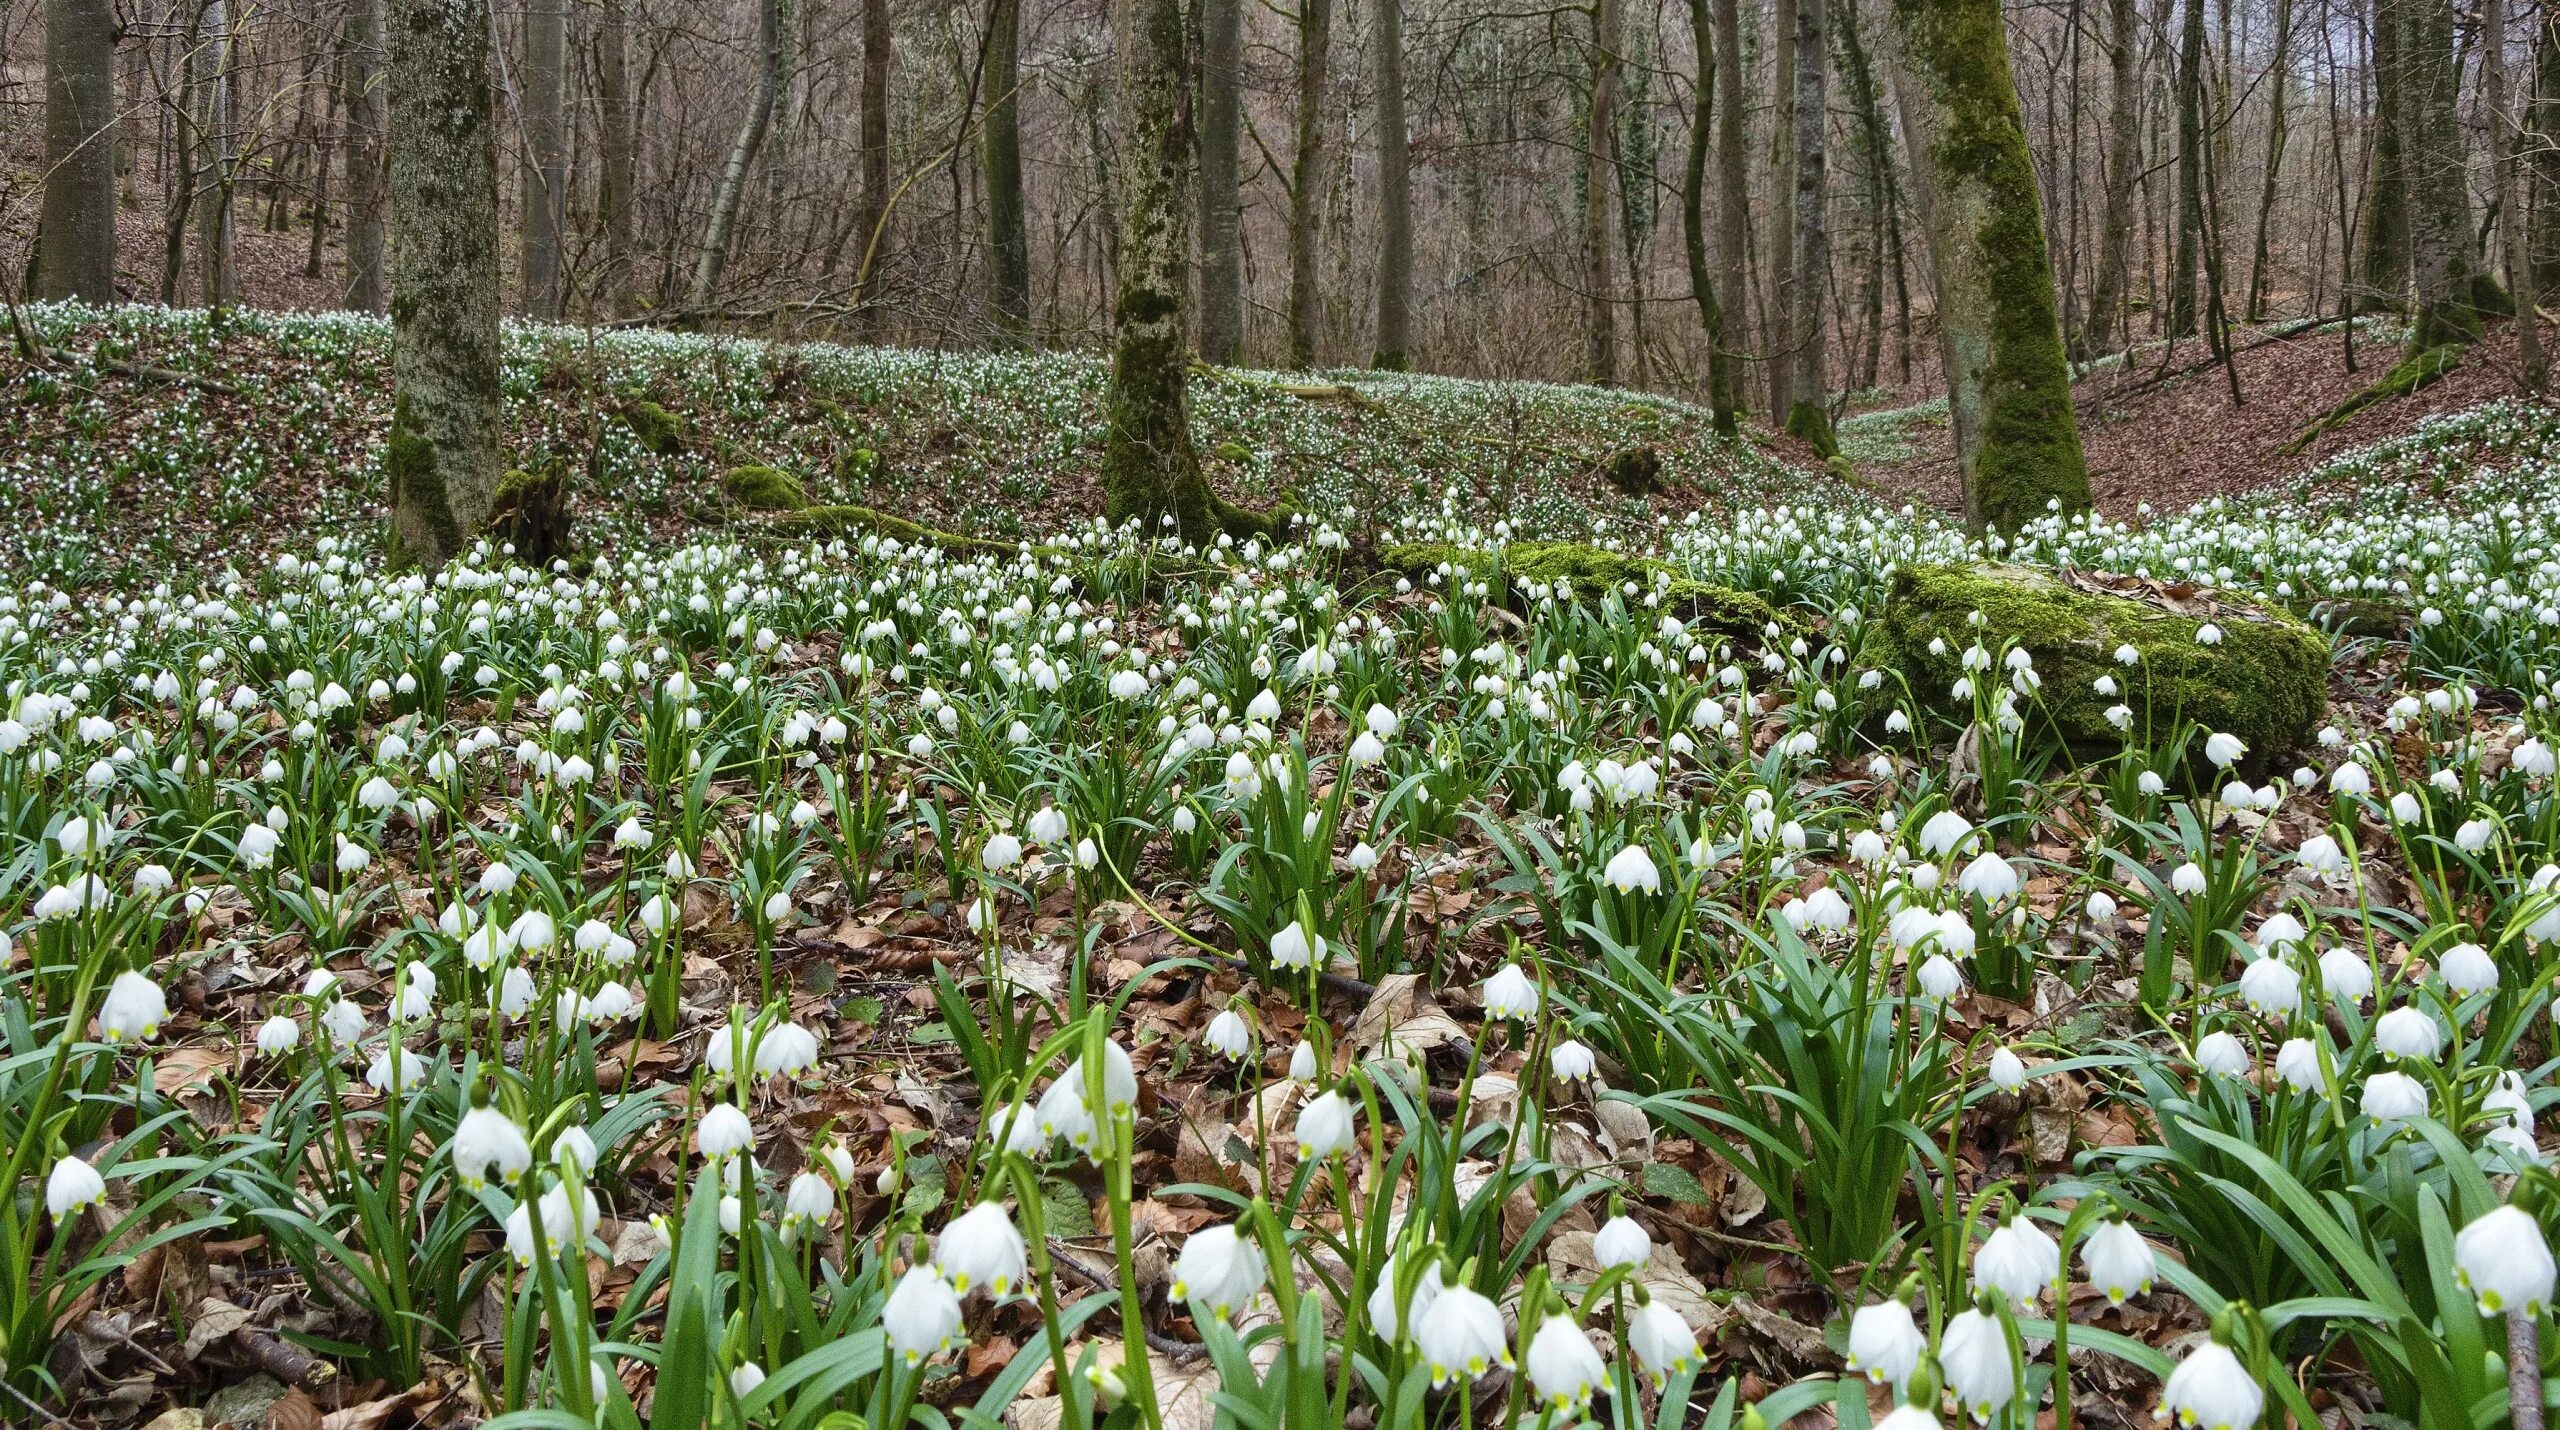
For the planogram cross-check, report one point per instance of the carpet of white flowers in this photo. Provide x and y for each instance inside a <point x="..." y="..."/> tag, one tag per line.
<point x="850" y="983"/>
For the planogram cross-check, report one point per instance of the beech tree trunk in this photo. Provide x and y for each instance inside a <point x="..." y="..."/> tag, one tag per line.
<point x="1778" y="249"/>
<point x="365" y="287"/>
<point x="2008" y="385"/>
<point x="1733" y="193"/>
<point x="2513" y="203"/>
<point x="2190" y="99"/>
<point x="2279" y="94"/>
<point x="2451" y="288"/>
<point x="444" y="455"/>
<point x="546" y="82"/>
<point x="1150" y="471"/>
<point x="726" y="200"/>
<point x="1809" y="306"/>
<point x="1395" y="198"/>
<point x="1306" y="183"/>
<point x="1599" y="167"/>
<point x="615" y="139"/>
<point x="2383" y="269"/>
<point x="872" y="235"/>
<point x="76" y="230"/>
<point x="1221" y="319"/>
<point x="1722" y="398"/>
<point x="1009" y="268"/>
<point x="209" y="79"/>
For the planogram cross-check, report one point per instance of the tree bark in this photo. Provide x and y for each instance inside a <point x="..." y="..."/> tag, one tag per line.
<point x="2008" y="385"/>
<point x="443" y="457"/>
<point x="2542" y="152"/>
<point x="874" y="224"/>
<point x="209" y="67"/>
<point x="1150" y="472"/>
<point x="2279" y="93"/>
<point x="1306" y="183"/>
<point x="615" y="139"/>
<point x="1009" y="271"/>
<point x="2444" y="267"/>
<point x="1221" y="318"/>
<point x="2190" y="91"/>
<point x="2513" y="202"/>
<point x="76" y="232"/>
<point x="546" y="83"/>
<point x="1779" y="249"/>
<point x="1733" y="193"/>
<point x="1395" y="198"/>
<point x="1600" y="148"/>
<point x="727" y="199"/>
<point x="1809" y="415"/>
<point x="2383" y="268"/>
<point x="365" y="200"/>
<point x="1722" y="399"/>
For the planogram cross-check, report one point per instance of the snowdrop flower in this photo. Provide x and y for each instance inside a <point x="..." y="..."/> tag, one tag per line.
<point x="723" y="1132"/>
<point x="2270" y="986"/>
<point x="2212" y="1390"/>
<point x="1002" y="852"/>
<point x="1885" y="1343"/>
<point x="1509" y="995"/>
<point x="2221" y="1054"/>
<point x="278" y="1035"/>
<point x="395" y="1068"/>
<point x="1325" y="1127"/>
<point x="1939" y="978"/>
<point x="2187" y="879"/>
<point x="2101" y="906"/>
<point x="72" y="1185"/>
<point x="1228" y="1035"/>
<point x="1632" y="869"/>
<point x="1662" y="1341"/>
<point x="1461" y="1336"/>
<point x="1302" y="1062"/>
<point x="2018" y="1260"/>
<point x="1048" y="825"/>
<point x="2394" y="1097"/>
<point x="2224" y="750"/>
<point x="744" y="1380"/>
<point x="486" y="1141"/>
<point x="921" y="1317"/>
<point x="2321" y="855"/>
<point x="2405" y="808"/>
<point x="2502" y="1259"/>
<point x="1218" y="1272"/>
<point x="2467" y="968"/>
<point x="1294" y="947"/>
<point x="1062" y="1113"/>
<point x="2008" y="1071"/>
<point x="2407" y="1032"/>
<point x="2208" y="634"/>
<point x="1989" y="878"/>
<point x="1562" y="1365"/>
<point x="2350" y="779"/>
<point x="1945" y="832"/>
<point x="1571" y="1061"/>
<point x="1974" y="1356"/>
<point x="2346" y="975"/>
<point x="981" y="1248"/>
<point x="2298" y="1063"/>
<point x="133" y="1008"/>
<point x="2119" y="1262"/>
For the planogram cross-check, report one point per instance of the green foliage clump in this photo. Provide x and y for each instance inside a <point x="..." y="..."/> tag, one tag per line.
<point x="764" y="489"/>
<point x="2265" y="681"/>
<point x="660" y="432"/>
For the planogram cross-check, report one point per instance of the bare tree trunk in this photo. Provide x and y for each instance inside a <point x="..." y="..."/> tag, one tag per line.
<point x="1306" y="183"/>
<point x="2124" y="132"/>
<point x="2384" y="265"/>
<point x="1733" y="193"/>
<point x="1150" y="472"/>
<point x="365" y="199"/>
<point x="76" y="233"/>
<point x="1600" y="148"/>
<point x="1221" y="318"/>
<point x="2279" y="93"/>
<point x="614" y="125"/>
<point x="2443" y="264"/>
<point x="2541" y="146"/>
<point x="2008" y="384"/>
<point x="1809" y="415"/>
<point x="2182" y="271"/>
<point x="1395" y="198"/>
<point x="444" y="453"/>
<point x="875" y="158"/>
<point x="546" y="83"/>
<point x="1009" y="274"/>
<point x="731" y="194"/>
<point x="209" y="64"/>
<point x="1722" y="398"/>
<point x="2513" y="201"/>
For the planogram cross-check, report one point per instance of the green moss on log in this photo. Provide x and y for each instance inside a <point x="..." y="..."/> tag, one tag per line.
<point x="2419" y="369"/>
<point x="2266" y="681"/>
<point x="856" y="521"/>
<point x="660" y="432"/>
<point x="764" y="489"/>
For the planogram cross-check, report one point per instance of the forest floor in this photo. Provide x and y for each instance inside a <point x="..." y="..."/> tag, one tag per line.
<point x="2163" y="429"/>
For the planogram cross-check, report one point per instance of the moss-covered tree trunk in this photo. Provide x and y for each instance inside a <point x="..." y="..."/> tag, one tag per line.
<point x="1809" y="306"/>
<point x="2382" y="269"/>
<point x="1009" y="266"/>
<point x="1149" y="468"/>
<point x="76" y="253"/>
<point x="2008" y="386"/>
<point x="1395" y="198"/>
<point x="1221" y="201"/>
<point x="2451" y="288"/>
<point x="443" y="458"/>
